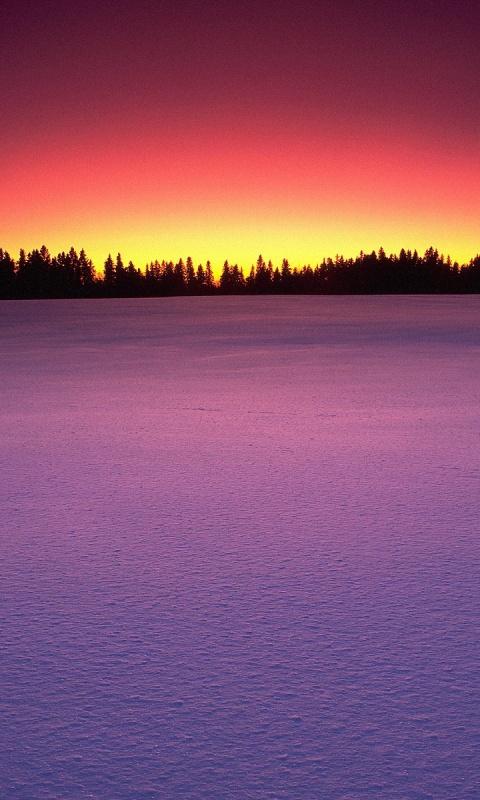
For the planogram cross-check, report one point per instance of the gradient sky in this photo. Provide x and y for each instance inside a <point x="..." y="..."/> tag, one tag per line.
<point x="224" y="130"/>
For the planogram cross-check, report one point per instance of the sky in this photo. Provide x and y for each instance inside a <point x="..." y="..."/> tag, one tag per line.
<point x="220" y="130"/>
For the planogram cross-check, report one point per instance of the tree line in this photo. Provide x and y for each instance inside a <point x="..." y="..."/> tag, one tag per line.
<point x="72" y="275"/>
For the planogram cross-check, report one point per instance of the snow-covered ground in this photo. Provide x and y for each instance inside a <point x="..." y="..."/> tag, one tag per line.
<point x="240" y="548"/>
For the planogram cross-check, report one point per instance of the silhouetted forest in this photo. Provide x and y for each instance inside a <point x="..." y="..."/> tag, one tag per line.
<point x="40" y="275"/>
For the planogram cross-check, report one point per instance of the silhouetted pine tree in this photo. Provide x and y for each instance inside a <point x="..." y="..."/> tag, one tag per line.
<point x="120" y="277"/>
<point x="190" y="277"/>
<point x="209" y="279"/>
<point x="87" y="273"/>
<point x="73" y="275"/>
<point x="109" y="275"/>
<point x="7" y="275"/>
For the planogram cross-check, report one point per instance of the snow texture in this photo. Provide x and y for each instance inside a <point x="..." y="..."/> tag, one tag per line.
<point x="240" y="552"/>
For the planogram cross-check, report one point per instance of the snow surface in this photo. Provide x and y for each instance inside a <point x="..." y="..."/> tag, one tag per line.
<point x="240" y="550"/>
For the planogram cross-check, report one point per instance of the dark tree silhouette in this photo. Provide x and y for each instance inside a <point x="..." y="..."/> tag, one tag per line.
<point x="109" y="274"/>
<point x="7" y="275"/>
<point x="120" y="276"/>
<point x="69" y="274"/>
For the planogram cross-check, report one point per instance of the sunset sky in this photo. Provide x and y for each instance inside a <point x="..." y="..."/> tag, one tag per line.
<point x="224" y="130"/>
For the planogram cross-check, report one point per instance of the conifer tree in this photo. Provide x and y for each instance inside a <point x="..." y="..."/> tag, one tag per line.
<point x="7" y="275"/>
<point x="209" y="279"/>
<point x="109" y="271"/>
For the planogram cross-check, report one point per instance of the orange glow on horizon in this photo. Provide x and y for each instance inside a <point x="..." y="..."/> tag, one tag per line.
<point x="303" y="197"/>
